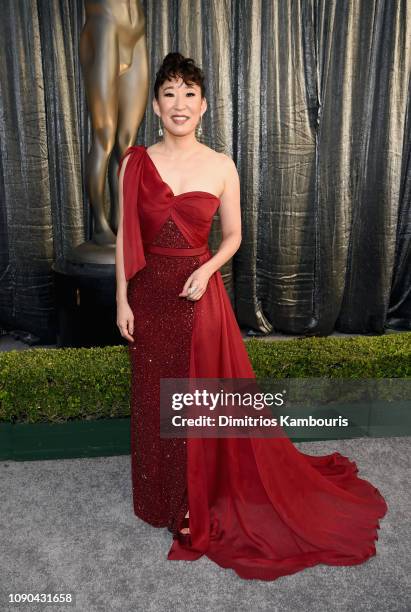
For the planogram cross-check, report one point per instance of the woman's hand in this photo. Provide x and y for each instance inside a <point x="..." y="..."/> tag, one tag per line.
<point x="196" y="284"/>
<point x="125" y="320"/>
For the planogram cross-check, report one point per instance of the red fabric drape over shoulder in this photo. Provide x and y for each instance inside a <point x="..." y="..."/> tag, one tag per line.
<point x="133" y="251"/>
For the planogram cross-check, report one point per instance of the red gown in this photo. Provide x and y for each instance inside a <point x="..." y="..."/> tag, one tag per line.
<point x="257" y="505"/>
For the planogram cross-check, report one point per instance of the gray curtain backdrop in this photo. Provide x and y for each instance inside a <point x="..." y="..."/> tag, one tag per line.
<point x="311" y="98"/>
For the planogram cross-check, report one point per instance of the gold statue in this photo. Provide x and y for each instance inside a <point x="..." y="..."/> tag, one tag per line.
<point x="113" y="56"/>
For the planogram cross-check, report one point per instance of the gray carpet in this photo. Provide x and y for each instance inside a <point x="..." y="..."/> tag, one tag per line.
<point x="68" y="527"/>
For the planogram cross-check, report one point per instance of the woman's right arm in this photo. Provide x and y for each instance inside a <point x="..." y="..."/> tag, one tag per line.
<point x="125" y="318"/>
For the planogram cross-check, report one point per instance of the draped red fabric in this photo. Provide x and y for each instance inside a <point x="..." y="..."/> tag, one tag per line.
<point x="257" y="505"/>
<point x="133" y="251"/>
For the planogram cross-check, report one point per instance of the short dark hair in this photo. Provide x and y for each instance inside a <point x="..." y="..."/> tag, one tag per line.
<point x="175" y="65"/>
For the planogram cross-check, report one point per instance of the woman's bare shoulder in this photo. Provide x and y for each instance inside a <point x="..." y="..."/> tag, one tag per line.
<point x="221" y="161"/>
<point x="223" y="168"/>
<point x="213" y="153"/>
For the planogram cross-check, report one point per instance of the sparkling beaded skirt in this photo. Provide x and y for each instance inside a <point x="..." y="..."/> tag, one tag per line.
<point x="163" y="324"/>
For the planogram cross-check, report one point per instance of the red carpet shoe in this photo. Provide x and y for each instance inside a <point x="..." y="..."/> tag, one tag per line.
<point x="184" y="538"/>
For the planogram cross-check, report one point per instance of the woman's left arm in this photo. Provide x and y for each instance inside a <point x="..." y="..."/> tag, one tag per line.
<point x="230" y="217"/>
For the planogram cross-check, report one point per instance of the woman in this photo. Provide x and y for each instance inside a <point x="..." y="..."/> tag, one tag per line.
<point x="257" y="505"/>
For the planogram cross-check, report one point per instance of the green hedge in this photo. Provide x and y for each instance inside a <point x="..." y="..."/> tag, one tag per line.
<point x="57" y="385"/>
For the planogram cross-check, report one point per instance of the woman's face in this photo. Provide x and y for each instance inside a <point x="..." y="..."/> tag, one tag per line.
<point x="179" y="106"/>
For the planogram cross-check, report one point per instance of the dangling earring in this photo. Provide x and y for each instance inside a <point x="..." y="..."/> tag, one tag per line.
<point x="160" y="131"/>
<point x="200" y="128"/>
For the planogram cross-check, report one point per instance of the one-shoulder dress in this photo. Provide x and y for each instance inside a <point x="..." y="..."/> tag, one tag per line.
<point x="257" y="505"/>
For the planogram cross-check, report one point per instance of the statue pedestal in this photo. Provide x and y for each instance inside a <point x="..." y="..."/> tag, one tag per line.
<point x="85" y="293"/>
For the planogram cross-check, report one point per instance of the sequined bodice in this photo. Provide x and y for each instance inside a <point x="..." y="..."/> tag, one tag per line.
<point x="170" y="236"/>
